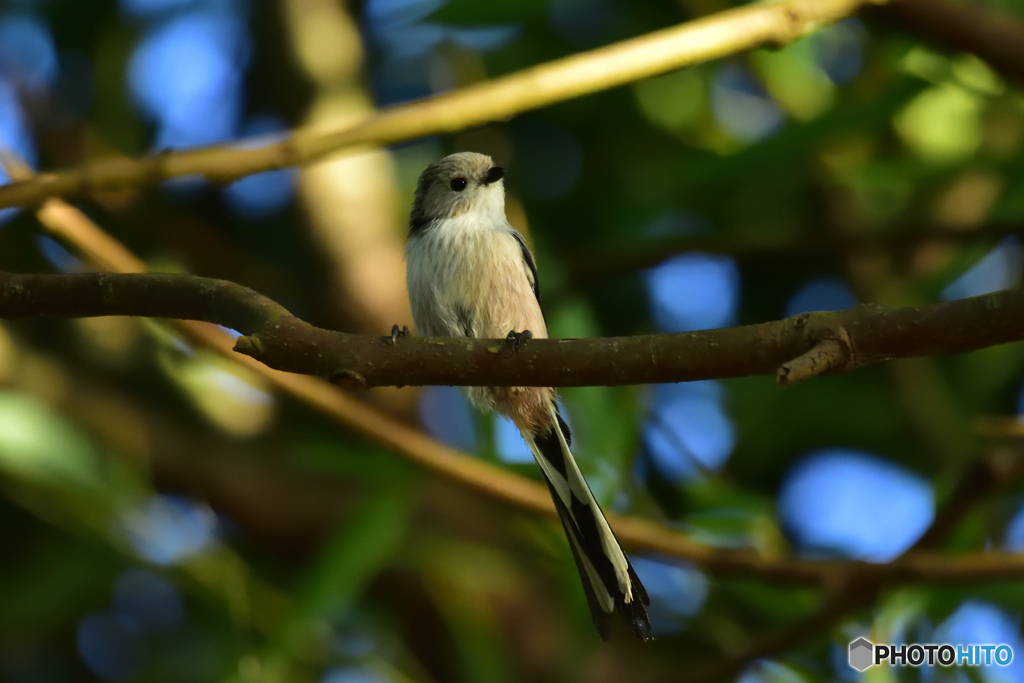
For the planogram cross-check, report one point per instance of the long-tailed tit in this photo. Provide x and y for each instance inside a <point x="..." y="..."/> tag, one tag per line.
<point x="470" y="274"/>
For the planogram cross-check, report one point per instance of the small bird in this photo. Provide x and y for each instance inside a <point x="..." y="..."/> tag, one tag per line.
<point x="470" y="274"/>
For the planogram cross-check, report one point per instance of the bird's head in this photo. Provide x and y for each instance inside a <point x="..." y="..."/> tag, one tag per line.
<point x="456" y="185"/>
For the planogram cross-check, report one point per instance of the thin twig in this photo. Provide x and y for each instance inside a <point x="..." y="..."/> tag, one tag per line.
<point x="827" y="356"/>
<point x="697" y="41"/>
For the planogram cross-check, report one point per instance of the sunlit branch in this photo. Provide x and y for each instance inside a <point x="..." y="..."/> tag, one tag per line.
<point x="693" y="42"/>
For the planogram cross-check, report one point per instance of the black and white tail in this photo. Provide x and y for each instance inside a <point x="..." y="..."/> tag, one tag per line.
<point x="608" y="578"/>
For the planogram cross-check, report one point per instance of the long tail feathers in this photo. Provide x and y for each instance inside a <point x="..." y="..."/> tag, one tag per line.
<point x="609" y="581"/>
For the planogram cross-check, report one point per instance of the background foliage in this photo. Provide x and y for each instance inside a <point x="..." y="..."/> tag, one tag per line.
<point x="164" y="517"/>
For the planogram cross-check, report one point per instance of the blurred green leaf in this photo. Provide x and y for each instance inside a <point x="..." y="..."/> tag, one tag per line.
<point x="365" y="541"/>
<point x="56" y="580"/>
<point x="674" y="101"/>
<point x="39" y="446"/>
<point x="796" y="81"/>
<point x="362" y="460"/>
<point x="942" y="124"/>
<point x="851" y="113"/>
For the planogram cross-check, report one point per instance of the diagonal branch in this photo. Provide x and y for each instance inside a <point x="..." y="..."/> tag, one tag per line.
<point x="704" y="39"/>
<point x="795" y="348"/>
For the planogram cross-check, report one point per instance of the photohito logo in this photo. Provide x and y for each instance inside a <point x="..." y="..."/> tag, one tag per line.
<point x="865" y="654"/>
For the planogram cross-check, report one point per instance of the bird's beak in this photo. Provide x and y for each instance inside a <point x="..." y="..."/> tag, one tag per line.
<point x="494" y="175"/>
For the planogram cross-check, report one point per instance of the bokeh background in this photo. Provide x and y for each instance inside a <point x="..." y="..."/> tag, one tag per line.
<point x="166" y="517"/>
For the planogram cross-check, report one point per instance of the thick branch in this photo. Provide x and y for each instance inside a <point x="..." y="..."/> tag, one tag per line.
<point x="697" y="41"/>
<point x="796" y="348"/>
<point x="149" y="295"/>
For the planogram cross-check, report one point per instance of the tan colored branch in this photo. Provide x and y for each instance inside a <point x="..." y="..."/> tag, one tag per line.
<point x="705" y="39"/>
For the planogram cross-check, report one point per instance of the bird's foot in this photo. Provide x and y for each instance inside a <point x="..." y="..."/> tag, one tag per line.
<point x="516" y="338"/>
<point x="396" y="333"/>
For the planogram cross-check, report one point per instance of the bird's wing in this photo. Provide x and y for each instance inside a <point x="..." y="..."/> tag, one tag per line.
<point x="531" y="264"/>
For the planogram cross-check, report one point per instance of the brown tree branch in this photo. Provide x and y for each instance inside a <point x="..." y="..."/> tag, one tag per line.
<point x="704" y="39"/>
<point x="796" y="348"/>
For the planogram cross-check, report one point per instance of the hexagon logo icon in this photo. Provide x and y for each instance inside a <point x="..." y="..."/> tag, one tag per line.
<point x="862" y="654"/>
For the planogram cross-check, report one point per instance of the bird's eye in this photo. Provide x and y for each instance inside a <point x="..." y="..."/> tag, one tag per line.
<point x="458" y="183"/>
